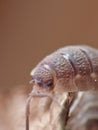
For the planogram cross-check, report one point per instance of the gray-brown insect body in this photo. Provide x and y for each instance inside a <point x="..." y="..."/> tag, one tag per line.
<point x="72" y="68"/>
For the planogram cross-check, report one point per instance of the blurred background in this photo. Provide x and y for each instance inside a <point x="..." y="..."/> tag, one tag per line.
<point x="31" y="29"/>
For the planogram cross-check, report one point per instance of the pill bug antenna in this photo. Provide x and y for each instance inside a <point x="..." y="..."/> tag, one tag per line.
<point x="28" y="112"/>
<point x="31" y="81"/>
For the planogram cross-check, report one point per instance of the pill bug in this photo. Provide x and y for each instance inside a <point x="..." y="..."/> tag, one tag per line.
<point x="69" y="69"/>
<point x="73" y="68"/>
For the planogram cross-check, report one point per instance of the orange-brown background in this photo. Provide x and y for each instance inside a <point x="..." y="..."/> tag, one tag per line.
<point x="31" y="29"/>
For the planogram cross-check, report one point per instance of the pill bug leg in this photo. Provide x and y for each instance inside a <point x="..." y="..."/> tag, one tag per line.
<point x="63" y="116"/>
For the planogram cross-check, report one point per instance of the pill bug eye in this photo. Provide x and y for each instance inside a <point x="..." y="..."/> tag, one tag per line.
<point x="49" y="84"/>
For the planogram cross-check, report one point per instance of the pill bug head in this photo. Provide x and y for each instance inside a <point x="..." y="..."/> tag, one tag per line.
<point x="43" y="77"/>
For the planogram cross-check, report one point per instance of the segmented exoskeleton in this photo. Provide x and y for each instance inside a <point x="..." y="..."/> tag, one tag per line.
<point x="72" y="68"/>
<point x="69" y="69"/>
